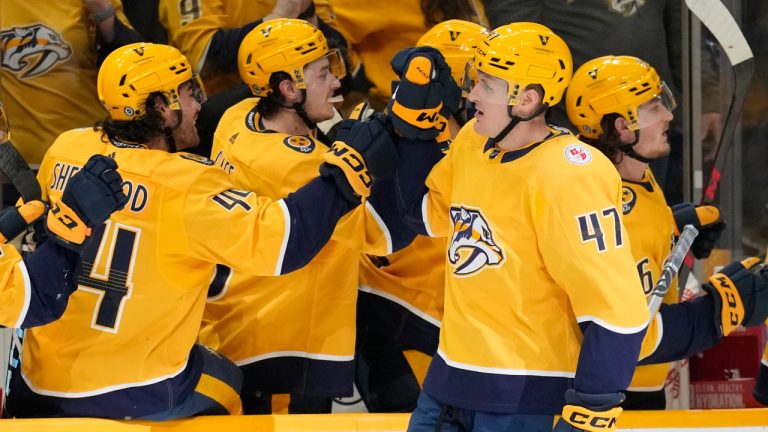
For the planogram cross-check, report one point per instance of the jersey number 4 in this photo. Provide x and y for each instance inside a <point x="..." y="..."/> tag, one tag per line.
<point x="107" y="269"/>
<point x="591" y="228"/>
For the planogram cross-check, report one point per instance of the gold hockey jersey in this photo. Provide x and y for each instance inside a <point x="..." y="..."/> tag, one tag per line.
<point x="137" y="311"/>
<point x="15" y="287"/>
<point x="48" y="71"/>
<point x="649" y="224"/>
<point x="536" y="254"/>
<point x="309" y="313"/>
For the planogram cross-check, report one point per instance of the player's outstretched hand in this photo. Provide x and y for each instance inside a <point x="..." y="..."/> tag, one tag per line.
<point x="14" y="220"/>
<point x="706" y="219"/>
<point x="425" y="96"/>
<point x="740" y="293"/>
<point x="362" y="151"/>
<point x="89" y="198"/>
<point x="589" y="412"/>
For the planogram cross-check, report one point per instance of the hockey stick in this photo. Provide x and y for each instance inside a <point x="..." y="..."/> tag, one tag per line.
<point x="18" y="172"/>
<point x="670" y="268"/>
<point x="716" y="17"/>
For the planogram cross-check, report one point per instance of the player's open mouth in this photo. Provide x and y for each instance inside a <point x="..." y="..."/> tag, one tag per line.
<point x="335" y="99"/>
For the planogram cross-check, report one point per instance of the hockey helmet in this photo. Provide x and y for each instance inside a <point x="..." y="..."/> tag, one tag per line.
<point x="131" y="73"/>
<point x="616" y="84"/>
<point x="283" y="45"/>
<point x="457" y="41"/>
<point x="524" y="54"/>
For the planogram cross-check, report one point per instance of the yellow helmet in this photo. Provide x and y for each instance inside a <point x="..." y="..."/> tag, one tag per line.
<point x="283" y="45"/>
<point x="130" y="73"/>
<point x="612" y="84"/>
<point x="5" y="126"/>
<point x="526" y="53"/>
<point x="457" y="41"/>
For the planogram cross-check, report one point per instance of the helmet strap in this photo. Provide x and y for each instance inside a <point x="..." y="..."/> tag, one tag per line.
<point x="628" y="150"/>
<point x="515" y="120"/>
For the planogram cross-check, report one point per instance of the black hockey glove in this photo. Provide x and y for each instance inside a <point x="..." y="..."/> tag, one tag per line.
<point x="361" y="152"/>
<point x="589" y="412"/>
<point x="425" y="96"/>
<point x="706" y="219"/>
<point x="90" y="197"/>
<point x="740" y="293"/>
<point x="15" y="220"/>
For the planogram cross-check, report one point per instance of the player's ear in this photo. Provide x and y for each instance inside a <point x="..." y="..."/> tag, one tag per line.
<point x="531" y="99"/>
<point x="288" y="89"/>
<point x="622" y="129"/>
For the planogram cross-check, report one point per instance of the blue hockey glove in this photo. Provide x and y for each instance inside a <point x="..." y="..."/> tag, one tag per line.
<point x="740" y="293"/>
<point x="425" y="96"/>
<point x="706" y="219"/>
<point x="589" y="412"/>
<point x="90" y="197"/>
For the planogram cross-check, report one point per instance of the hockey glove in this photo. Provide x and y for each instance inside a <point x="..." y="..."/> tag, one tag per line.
<point x="589" y="412"/>
<point x="740" y="293"/>
<point x="91" y="195"/>
<point x="425" y="96"/>
<point x="706" y="219"/>
<point x="14" y="220"/>
<point x="361" y="152"/>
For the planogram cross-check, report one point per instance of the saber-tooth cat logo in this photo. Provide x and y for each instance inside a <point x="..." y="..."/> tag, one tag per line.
<point x="472" y="246"/>
<point x="32" y="51"/>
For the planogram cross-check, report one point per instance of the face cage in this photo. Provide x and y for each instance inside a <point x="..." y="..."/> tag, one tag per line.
<point x="656" y="109"/>
<point x="5" y="126"/>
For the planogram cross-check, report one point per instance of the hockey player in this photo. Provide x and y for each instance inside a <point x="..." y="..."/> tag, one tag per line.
<point x="34" y="291"/>
<point x="621" y="107"/>
<point x="125" y="347"/>
<point x="400" y="303"/>
<point x="271" y="145"/>
<point x="542" y="305"/>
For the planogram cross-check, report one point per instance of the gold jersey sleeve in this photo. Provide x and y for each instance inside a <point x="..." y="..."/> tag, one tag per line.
<point x="142" y="291"/>
<point x="15" y="287"/>
<point x="48" y="67"/>
<point x="648" y="221"/>
<point x="276" y="164"/>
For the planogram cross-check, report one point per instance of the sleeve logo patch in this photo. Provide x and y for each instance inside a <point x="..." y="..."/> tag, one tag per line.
<point x="472" y="247"/>
<point x="578" y="154"/>
<point x="196" y="158"/>
<point x="299" y="143"/>
<point x="628" y="199"/>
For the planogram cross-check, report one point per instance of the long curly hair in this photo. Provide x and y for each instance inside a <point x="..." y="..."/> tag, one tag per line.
<point x="140" y="130"/>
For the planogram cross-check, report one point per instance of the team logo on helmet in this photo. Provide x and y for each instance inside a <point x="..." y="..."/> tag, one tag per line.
<point x="454" y="35"/>
<point x="266" y="30"/>
<point x="139" y="51"/>
<point x="472" y="246"/>
<point x="299" y="143"/>
<point x="32" y="51"/>
<point x="628" y="199"/>
<point x="593" y="73"/>
<point x="544" y="39"/>
<point x="578" y="154"/>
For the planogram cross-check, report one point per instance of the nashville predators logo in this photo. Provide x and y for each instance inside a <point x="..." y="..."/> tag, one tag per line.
<point x="628" y="199"/>
<point x="32" y="51"/>
<point x="472" y="246"/>
<point x="299" y="143"/>
<point x="626" y="8"/>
